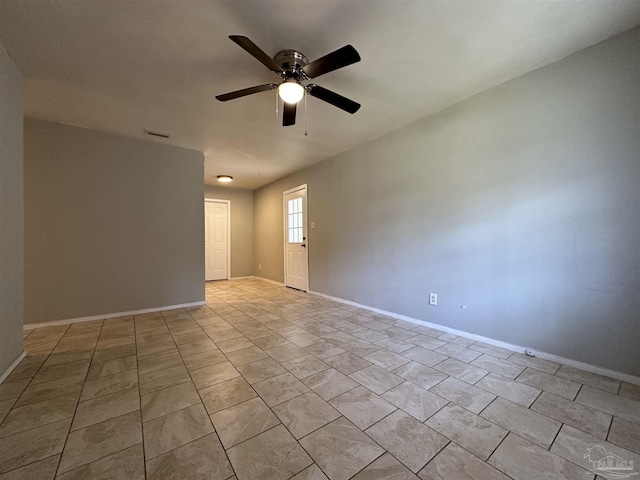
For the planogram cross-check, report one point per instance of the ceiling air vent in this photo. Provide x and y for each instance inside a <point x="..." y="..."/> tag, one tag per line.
<point x="156" y="133"/>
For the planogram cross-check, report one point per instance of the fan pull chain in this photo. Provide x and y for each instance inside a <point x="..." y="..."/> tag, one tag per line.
<point x="305" y="115"/>
<point x="277" y="116"/>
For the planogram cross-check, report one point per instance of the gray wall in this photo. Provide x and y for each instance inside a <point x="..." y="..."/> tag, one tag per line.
<point x="521" y="203"/>
<point x="241" y="226"/>
<point x="112" y="224"/>
<point x="11" y="212"/>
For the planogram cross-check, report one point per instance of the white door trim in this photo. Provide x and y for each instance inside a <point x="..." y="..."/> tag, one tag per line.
<point x="228" y="202"/>
<point x="284" y="230"/>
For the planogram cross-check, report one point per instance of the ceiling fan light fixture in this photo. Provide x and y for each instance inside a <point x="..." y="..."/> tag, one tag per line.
<point x="291" y="91"/>
<point x="225" y="178"/>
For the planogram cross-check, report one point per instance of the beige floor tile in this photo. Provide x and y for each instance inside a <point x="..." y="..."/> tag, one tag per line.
<point x="272" y="340"/>
<point x="347" y="362"/>
<point x="324" y="350"/>
<point x="196" y="335"/>
<point x="175" y="429"/>
<point x="154" y="350"/>
<point x="421" y="375"/>
<point x="69" y="386"/>
<point x="511" y="390"/>
<point x="220" y="334"/>
<point x="272" y="455"/>
<point x="393" y="344"/>
<point x="385" y="467"/>
<point x="630" y="391"/>
<point x="468" y="430"/>
<point x="38" y="414"/>
<point x="386" y="359"/>
<point x="113" y="353"/>
<point x="243" y="421"/>
<point x="522" y="421"/>
<point x="497" y="352"/>
<point x="187" y="349"/>
<point x="168" y="400"/>
<point x="226" y="394"/>
<point x="432" y="332"/>
<point x="305" y="339"/>
<point x="407" y="439"/>
<point x="286" y="352"/>
<point x="461" y="370"/>
<point x="304" y="414"/>
<point x="523" y="460"/>
<point x="330" y="383"/>
<point x="587" y="378"/>
<point x="461" y="393"/>
<point x="41" y="470"/>
<point x="498" y="365"/>
<point x="126" y="464"/>
<point x="32" y="445"/>
<point x="56" y="372"/>
<point x="100" y="440"/>
<point x="201" y="459"/>
<point x="311" y="473"/>
<point x="374" y="336"/>
<point x="340" y="449"/>
<point x="415" y="401"/>
<point x="459" y="353"/>
<point x="5" y="407"/>
<point x="220" y="372"/>
<point x="362" y="407"/>
<point x="60" y="358"/>
<point x="261" y="370"/>
<point x="228" y="346"/>
<point x="109" y="384"/>
<point x="203" y="359"/>
<point x="574" y="414"/>
<point x="110" y="367"/>
<point x="246" y="355"/>
<point x="157" y="339"/>
<point x="105" y="407"/>
<point x="551" y="383"/>
<point x="376" y="379"/>
<point x="305" y="366"/>
<point x="574" y="445"/>
<point x="163" y="361"/>
<point x="625" y="434"/>
<point x="12" y="390"/>
<point x="424" y="356"/>
<point x="608" y="402"/>
<point x="280" y="389"/>
<point x="160" y="379"/>
<point x="426" y="342"/>
<point x="106" y="343"/>
<point x="454" y="462"/>
<point x="24" y="372"/>
<point x="545" y="366"/>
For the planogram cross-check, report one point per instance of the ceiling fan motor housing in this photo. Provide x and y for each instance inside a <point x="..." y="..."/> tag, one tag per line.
<point x="292" y="62"/>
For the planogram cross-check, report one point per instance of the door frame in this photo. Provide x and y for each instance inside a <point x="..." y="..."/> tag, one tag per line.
<point x="228" y="202"/>
<point x="306" y="229"/>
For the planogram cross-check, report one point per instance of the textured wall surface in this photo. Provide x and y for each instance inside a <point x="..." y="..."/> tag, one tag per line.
<point x="520" y="203"/>
<point x="11" y="212"/>
<point x="112" y="224"/>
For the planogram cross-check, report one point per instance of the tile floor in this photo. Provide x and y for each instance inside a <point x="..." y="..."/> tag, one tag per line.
<point x="269" y="383"/>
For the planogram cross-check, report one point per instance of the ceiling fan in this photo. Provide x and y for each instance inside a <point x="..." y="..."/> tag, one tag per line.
<point x="293" y="68"/>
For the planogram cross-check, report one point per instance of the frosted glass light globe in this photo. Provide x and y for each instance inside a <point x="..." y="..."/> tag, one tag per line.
<point x="291" y="92"/>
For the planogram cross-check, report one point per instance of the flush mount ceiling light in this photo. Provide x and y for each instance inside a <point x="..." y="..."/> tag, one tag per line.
<point x="225" y="178"/>
<point x="291" y="91"/>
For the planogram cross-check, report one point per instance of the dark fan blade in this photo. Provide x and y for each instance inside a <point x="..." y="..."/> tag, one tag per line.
<point x="333" y="98"/>
<point x="340" y="58"/>
<point x="254" y="50"/>
<point x="246" y="91"/>
<point x="289" y="115"/>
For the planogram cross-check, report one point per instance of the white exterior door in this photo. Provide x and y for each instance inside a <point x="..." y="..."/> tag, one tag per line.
<point x="295" y="241"/>
<point x="216" y="239"/>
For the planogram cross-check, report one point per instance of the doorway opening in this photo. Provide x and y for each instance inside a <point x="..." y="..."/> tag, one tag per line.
<point x="296" y="258"/>
<point x="217" y="241"/>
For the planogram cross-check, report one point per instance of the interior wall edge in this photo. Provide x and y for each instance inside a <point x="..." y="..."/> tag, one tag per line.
<point x="12" y="367"/>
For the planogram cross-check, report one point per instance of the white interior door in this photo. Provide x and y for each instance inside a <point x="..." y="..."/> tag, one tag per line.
<point x="295" y="241"/>
<point x="216" y="239"/>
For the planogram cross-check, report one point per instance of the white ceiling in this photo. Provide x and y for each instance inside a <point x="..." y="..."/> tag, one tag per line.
<point x="125" y="65"/>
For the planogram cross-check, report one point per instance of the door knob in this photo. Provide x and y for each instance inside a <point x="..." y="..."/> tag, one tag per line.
<point x="303" y="245"/>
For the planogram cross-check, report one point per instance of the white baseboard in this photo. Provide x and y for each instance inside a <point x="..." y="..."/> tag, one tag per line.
<point x="515" y="348"/>
<point x="280" y="284"/>
<point x="31" y="326"/>
<point x="12" y="367"/>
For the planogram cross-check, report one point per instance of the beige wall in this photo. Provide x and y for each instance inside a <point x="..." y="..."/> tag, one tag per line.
<point x="520" y="203"/>
<point x="241" y="226"/>
<point x="112" y="224"/>
<point x="11" y="212"/>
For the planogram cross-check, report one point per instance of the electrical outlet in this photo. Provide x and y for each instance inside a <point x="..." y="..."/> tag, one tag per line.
<point x="530" y="352"/>
<point x="259" y="266"/>
<point x="433" y="299"/>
